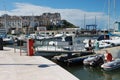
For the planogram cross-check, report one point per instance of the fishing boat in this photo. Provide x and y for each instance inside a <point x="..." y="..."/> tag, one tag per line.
<point x="108" y="66"/>
<point x="96" y="60"/>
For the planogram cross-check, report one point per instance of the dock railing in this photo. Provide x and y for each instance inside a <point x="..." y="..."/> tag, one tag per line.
<point x="22" y="48"/>
<point x="58" y="47"/>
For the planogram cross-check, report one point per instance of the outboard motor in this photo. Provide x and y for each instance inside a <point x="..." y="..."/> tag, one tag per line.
<point x="97" y="62"/>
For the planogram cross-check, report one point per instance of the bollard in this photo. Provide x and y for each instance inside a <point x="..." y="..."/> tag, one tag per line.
<point x="30" y="49"/>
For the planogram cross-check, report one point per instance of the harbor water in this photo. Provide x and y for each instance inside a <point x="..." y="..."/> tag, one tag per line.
<point x="93" y="73"/>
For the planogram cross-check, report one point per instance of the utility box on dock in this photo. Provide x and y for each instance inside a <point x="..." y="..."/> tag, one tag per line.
<point x="30" y="47"/>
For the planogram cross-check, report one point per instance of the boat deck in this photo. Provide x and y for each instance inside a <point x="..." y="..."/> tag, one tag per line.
<point x="16" y="67"/>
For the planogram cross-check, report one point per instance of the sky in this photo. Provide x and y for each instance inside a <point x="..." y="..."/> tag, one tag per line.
<point x="77" y="12"/>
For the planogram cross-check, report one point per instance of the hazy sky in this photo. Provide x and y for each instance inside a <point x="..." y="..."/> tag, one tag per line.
<point x="71" y="10"/>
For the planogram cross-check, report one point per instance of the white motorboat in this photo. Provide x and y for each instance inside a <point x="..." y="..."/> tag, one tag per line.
<point x="108" y="66"/>
<point x="104" y="41"/>
<point x="65" y="41"/>
<point x="101" y="44"/>
<point x="8" y="40"/>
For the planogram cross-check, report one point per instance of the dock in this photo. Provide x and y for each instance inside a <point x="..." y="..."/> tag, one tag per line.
<point x="48" y="52"/>
<point x="17" y="66"/>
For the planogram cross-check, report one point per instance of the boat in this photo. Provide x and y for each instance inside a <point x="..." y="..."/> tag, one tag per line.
<point x="96" y="60"/>
<point x="7" y="39"/>
<point x="77" y="60"/>
<point x="101" y="45"/>
<point x="104" y="41"/>
<point x="64" y="57"/>
<point x="67" y="58"/>
<point x="59" y="42"/>
<point x="108" y="66"/>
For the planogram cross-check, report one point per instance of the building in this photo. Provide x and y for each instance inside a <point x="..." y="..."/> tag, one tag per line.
<point x="10" y="22"/>
<point x="28" y="24"/>
<point x="117" y="26"/>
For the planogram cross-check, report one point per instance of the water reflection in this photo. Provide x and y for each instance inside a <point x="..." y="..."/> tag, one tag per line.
<point x="93" y="73"/>
<point x="112" y="75"/>
<point x="107" y="76"/>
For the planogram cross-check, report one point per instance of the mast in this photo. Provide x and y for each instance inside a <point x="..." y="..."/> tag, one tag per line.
<point x="114" y="13"/>
<point x="5" y="18"/>
<point x="115" y="9"/>
<point x="108" y="15"/>
<point x="95" y="20"/>
<point x="84" y="20"/>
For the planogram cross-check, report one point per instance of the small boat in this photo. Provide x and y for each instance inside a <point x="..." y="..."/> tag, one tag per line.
<point x="108" y="66"/>
<point x="7" y="39"/>
<point x="67" y="58"/>
<point x="77" y="60"/>
<point x="64" y="57"/>
<point x="96" y="60"/>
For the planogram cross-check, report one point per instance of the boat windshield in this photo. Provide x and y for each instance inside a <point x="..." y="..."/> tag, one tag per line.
<point x="103" y="37"/>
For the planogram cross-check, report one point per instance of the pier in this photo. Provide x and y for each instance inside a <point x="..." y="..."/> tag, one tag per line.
<point x="14" y="66"/>
<point x="53" y="53"/>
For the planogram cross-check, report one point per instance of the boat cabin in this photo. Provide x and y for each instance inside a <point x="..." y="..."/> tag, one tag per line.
<point x="103" y="37"/>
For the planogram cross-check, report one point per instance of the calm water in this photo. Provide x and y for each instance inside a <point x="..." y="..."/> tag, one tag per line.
<point x="91" y="73"/>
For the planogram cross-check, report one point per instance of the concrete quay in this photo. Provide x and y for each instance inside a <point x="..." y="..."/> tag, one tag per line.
<point x="16" y="67"/>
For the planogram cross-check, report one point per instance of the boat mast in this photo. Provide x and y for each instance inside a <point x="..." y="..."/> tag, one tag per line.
<point x="84" y="20"/>
<point x="5" y="18"/>
<point x="108" y="15"/>
<point x="114" y="13"/>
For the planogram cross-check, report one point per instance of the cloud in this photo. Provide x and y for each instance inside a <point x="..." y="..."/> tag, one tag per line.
<point x="75" y="16"/>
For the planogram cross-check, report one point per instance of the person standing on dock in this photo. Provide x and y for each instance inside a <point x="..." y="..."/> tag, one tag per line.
<point x="90" y="44"/>
<point x="96" y="45"/>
